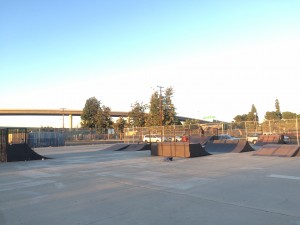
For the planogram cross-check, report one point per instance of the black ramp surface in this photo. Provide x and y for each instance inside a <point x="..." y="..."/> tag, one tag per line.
<point x="197" y="139"/>
<point x="117" y="147"/>
<point x="197" y="150"/>
<point x="219" y="146"/>
<point x="22" y="152"/>
<point x="137" y="147"/>
<point x="226" y="146"/>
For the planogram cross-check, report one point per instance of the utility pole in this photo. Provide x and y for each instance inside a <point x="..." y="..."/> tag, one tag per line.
<point x="160" y="105"/>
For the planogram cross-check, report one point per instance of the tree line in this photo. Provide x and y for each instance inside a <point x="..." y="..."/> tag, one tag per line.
<point x="270" y="115"/>
<point x="159" y="112"/>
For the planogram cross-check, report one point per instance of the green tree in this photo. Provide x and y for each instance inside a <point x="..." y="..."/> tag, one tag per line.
<point x="277" y="108"/>
<point x="239" y="121"/>
<point x="240" y="118"/>
<point x="162" y="110"/>
<point x="103" y="120"/>
<point x="271" y="115"/>
<point x="119" y="126"/>
<point x="274" y="115"/>
<point x="89" y="113"/>
<point x="289" y="115"/>
<point x="252" y="115"/>
<point x="137" y="116"/>
<point x="169" y="110"/>
<point x="154" y="117"/>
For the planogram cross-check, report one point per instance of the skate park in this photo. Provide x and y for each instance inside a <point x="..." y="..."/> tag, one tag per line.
<point x="129" y="184"/>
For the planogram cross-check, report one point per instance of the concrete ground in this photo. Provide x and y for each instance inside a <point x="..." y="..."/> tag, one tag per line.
<point x="88" y="185"/>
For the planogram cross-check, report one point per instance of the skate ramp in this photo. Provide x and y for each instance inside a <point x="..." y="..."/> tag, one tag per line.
<point x="22" y="152"/>
<point x="197" y="139"/>
<point x="129" y="147"/>
<point x="269" y="139"/>
<point x="280" y="150"/>
<point x="178" y="149"/>
<point x="117" y="147"/>
<point x="137" y="147"/>
<point x="226" y="146"/>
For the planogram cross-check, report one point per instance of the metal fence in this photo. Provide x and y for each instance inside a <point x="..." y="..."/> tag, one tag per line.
<point x="45" y="139"/>
<point x="42" y="137"/>
<point x="241" y="130"/>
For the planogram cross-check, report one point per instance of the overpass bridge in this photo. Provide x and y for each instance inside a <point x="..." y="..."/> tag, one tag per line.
<point x="63" y="112"/>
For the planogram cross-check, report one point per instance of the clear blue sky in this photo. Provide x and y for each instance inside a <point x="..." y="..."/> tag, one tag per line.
<point x="220" y="57"/>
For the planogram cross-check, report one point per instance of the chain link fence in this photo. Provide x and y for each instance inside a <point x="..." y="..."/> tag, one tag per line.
<point x="237" y="129"/>
<point x="44" y="137"/>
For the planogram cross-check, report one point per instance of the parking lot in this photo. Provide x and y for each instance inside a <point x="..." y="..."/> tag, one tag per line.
<point x="89" y="185"/>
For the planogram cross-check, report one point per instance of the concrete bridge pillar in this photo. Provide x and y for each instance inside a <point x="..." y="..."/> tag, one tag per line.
<point x="71" y="121"/>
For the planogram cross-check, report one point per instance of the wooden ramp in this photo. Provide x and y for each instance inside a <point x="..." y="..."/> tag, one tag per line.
<point x="226" y="146"/>
<point x="269" y="139"/>
<point x="280" y="150"/>
<point x="178" y="149"/>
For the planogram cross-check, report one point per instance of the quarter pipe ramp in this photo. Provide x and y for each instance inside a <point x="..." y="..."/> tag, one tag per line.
<point x="226" y="146"/>
<point x="22" y="152"/>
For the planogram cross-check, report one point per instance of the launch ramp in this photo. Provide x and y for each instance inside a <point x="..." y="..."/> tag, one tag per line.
<point x="137" y="147"/>
<point x="281" y="150"/>
<point x="117" y="147"/>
